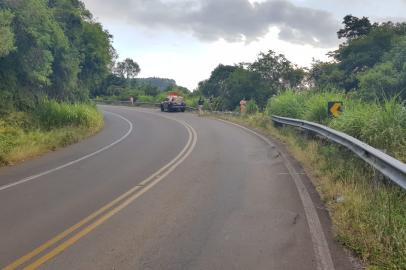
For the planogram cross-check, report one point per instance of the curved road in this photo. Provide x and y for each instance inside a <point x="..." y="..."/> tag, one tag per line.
<point x="164" y="191"/>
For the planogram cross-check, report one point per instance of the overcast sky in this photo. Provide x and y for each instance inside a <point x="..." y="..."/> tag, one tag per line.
<point x="186" y="39"/>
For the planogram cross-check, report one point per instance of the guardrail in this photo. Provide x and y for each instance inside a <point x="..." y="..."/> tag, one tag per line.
<point x="392" y="168"/>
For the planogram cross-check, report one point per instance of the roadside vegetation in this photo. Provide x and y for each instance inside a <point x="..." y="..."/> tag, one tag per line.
<point x="51" y="125"/>
<point x="53" y="55"/>
<point x="379" y="124"/>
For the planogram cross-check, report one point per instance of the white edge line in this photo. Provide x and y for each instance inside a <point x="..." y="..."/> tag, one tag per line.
<point x="320" y="245"/>
<point x="29" y="178"/>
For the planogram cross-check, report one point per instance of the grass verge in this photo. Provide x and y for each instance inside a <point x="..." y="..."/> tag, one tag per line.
<point x="49" y="126"/>
<point x="368" y="214"/>
<point x="379" y="124"/>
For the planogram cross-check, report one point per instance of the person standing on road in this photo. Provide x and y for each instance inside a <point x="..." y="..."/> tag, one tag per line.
<point x="132" y="100"/>
<point x="200" y="105"/>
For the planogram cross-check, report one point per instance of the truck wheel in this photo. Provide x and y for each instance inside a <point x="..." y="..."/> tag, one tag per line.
<point x="182" y="110"/>
<point x="162" y="108"/>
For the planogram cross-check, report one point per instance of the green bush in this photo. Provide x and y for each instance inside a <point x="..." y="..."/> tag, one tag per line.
<point x="161" y="96"/>
<point x="52" y="114"/>
<point x="288" y="104"/>
<point x="191" y="101"/>
<point x="150" y="99"/>
<point x="252" y="107"/>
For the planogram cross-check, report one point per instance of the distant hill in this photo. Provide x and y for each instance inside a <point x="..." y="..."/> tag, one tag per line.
<point x="160" y="83"/>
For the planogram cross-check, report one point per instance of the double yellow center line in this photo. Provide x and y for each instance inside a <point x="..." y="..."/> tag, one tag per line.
<point x="64" y="240"/>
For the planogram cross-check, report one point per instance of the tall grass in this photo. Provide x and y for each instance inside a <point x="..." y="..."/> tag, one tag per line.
<point x="49" y="126"/>
<point x="52" y="114"/>
<point x="382" y="125"/>
<point x="288" y="104"/>
<point x="251" y="107"/>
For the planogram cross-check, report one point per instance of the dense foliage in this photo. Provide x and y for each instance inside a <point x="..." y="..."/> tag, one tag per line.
<point x="258" y="81"/>
<point x="370" y="61"/>
<point x="160" y="83"/>
<point x="50" y="48"/>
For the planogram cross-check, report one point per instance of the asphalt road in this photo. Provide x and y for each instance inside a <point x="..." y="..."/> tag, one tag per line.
<point x="164" y="191"/>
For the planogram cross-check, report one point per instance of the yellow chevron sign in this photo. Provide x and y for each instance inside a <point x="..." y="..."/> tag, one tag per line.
<point x="335" y="108"/>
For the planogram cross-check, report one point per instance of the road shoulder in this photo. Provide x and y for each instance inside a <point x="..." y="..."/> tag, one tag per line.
<point x="342" y="257"/>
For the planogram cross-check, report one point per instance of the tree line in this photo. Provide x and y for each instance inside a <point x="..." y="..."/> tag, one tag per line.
<point x="50" y="48"/>
<point x="55" y="49"/>
<point x="369" y="62"/>
<point x="257" y="81"/>
<point x="122" y="83"/>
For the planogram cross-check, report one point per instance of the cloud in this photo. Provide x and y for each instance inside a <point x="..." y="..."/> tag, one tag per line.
<point x="231" y="20"/>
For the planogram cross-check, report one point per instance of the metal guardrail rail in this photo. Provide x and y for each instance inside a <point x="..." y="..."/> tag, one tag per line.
<point x="387" y="165"/>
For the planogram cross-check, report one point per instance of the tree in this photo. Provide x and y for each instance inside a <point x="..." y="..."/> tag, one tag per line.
<point x="6" y="33"/>
<point x="112" y="85"/>
<point x="277" y="71"/>
<point x="229" y="84"/>
<point x="257" y="81"/>
<point x="365" y="48"/>
<point x="98" y="55"/>
<point x="127" y="69"/>
<point x="51" y="48"/>
<point x="355" y="27"/>
<point x="380" y="82"/>
<point x="327" y="74"/>
<point x="160" y="83"/>
<point x="243" y="83"/>
<point x="150" y="90"/>
<point x="388" y="78"/>
<point x="214" y="86"/>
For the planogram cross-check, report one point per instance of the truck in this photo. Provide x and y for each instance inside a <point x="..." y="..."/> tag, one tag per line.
<point x="173" y="103"/>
